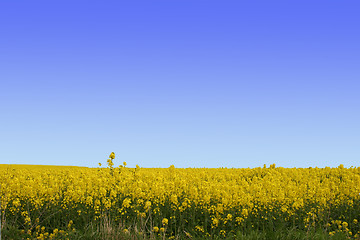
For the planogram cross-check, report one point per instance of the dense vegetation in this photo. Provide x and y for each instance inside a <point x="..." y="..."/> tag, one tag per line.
<point x="48" y="202"/>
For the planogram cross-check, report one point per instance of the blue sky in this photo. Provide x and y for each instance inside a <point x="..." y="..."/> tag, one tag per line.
<point x="189" y="83"/>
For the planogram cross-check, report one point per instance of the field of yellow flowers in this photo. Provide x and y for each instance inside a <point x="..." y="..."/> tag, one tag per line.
<point x="50" y="202"/>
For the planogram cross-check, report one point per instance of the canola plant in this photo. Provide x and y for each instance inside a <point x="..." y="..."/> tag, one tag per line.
<point x="46" y="202"/>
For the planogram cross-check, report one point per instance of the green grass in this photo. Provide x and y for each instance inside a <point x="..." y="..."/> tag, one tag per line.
<point x="109" y="232"/>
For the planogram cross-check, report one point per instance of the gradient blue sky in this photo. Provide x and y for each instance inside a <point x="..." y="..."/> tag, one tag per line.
<point x="190" y="83"/>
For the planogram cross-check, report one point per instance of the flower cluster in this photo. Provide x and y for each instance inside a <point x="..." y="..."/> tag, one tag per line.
<point x="199" y="202"/>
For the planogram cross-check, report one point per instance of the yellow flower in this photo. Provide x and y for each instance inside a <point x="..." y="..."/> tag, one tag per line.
<point x="223" y="195"/>
<point x="165" y="221"/>
<point x="110" y="162"/>
<point x="70" y="223"/>
<point x="215" y="222"/>
<point x="126" y="202"/>
<point x="147" y="205"/>
<point x="40" y="237"/>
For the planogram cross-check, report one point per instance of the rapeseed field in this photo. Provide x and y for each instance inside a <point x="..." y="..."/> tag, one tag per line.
<point x="50" y="202"/>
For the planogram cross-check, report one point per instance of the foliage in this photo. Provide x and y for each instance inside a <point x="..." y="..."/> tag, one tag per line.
<point x="48" y="202"/>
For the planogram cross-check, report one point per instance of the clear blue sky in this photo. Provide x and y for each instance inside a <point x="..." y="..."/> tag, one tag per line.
<point x="189" y="83"/>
